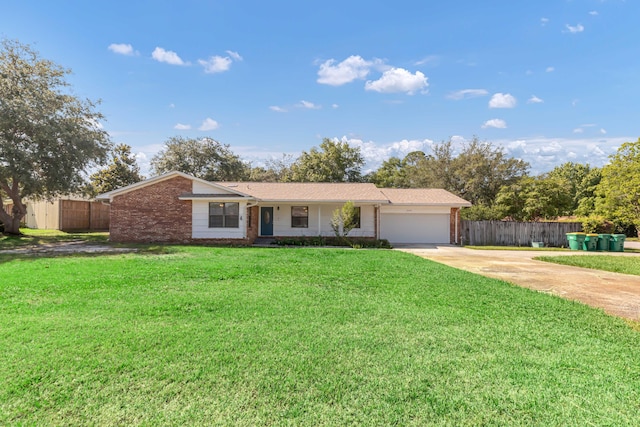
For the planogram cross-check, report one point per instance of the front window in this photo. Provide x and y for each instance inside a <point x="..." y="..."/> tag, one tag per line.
<point x="299" y="216"/>
<point x="224" y="215"/>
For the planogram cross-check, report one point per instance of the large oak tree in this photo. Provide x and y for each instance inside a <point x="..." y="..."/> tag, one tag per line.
<point x="49" y="138"/>
<point x="203" y="158"/>
<point x="333" y="161"/>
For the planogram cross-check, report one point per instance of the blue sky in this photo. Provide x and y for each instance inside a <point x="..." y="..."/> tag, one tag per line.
<point x="550" y="81"/>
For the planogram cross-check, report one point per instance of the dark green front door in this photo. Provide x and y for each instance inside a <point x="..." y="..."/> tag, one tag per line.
<point x="266" y="221"/>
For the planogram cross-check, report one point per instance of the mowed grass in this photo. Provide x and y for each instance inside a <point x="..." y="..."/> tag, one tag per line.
<point x="616" y="264"/>
<point x="223" y="336"/>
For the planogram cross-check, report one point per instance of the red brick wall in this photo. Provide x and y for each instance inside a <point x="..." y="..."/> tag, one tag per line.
<point x="455" y="217"/>
<point x="252" y="228"/>
<point x="152" y="213"/>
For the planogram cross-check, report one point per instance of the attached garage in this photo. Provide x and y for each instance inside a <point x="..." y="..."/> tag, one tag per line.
<point x="420" y="216"/>
<point x="415" y="228"/>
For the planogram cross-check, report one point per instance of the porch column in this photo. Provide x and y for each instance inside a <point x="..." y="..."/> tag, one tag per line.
<point x="319" y="220"/>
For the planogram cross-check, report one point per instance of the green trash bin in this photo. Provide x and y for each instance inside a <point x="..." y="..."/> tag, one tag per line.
<point x="616" y="244"/>
<point x="590" y="242"/>
<point x="576" y="240"/>
<point x="603" y="242"/>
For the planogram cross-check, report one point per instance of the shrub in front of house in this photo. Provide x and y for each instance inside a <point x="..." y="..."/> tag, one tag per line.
<point x="356" y="242"/>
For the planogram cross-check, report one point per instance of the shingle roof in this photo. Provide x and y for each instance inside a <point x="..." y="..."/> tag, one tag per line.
<point x="422" y="196"/>
<point x="321" y="192"/>
<point x="342" y="192"/>
<point x="309" y="191"/>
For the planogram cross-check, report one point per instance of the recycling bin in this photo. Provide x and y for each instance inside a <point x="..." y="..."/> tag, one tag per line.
<point x="616" y="244"/>
<point x="590" y="242"/>
<point x="576" y="240"/>
<point x="603" y="242"/>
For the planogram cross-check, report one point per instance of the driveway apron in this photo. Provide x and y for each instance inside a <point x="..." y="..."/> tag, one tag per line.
<point x="617" y="294"/>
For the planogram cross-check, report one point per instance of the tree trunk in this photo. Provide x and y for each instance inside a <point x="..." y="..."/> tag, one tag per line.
<point x="11" y="221"/>
<point x="12" y="226"/>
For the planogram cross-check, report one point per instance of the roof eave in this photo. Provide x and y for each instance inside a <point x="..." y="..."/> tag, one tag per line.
<point x="316" y="201"/>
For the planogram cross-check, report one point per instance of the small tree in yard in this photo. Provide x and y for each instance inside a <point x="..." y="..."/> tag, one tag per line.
<point x="344" y="220"/>
<point x="48" y="137"/>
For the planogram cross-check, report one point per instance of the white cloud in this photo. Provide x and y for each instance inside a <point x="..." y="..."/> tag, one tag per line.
<point x="122" y="49"/>
<point x="168" y="56"/>
<point x="578" y="130"/>
<point x="308" y="105"/>
<point x="544" y="21"/>
<point x="429" y="60"/>
<point x="234" y="55"/>
<point x="374" y="153"/>
<point x="543" y="154"/>
<point x="216" y="64"/>
<point x="172" y="105"/>
<point x="502" y="100"/>
<point x="180" y="126"/>
<point x="352" y="68"/>
<point x="603" y="131"/>
<point x="495" y="123"/>
<point x="534" y="100"/>
<point x="277" y="109"/>
<point x="593" y="13"/>
<point x="209" y="124"/>
<point x="334" y="106"/>
<point x="550" y="69"/>
<point x="574" y="29"/>
<point x="467" y="93"/>
<point x="398" y="80"/>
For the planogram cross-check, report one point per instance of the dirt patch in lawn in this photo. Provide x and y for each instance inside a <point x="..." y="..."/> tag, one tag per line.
<point x="71" y="247"/>
<point x="617" y="294"/>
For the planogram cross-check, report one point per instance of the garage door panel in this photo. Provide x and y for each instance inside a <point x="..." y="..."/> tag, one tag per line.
<point x="415" y="228"/>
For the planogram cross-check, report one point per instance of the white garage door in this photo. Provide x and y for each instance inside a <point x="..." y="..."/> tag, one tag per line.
<point x="415" y="228"/>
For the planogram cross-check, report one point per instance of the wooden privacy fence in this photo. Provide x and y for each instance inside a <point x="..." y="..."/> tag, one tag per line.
<point x="511" y="233"/>
<point x="83" y="215"/>
<point x="66" y="215"/>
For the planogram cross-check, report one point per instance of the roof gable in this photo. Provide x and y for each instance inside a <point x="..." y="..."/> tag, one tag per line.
<point x="201" y="184"/>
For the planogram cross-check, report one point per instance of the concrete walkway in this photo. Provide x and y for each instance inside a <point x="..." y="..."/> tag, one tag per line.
<point x="617" y="294"/>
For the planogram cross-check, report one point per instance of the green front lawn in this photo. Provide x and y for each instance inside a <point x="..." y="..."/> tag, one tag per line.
<point x="616" y="264"/>
<point x="250" y="336"/>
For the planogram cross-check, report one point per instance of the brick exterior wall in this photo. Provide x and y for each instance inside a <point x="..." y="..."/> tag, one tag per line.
<point x="455" y="216"/>
<point x="152" y="214"/>
<point x="253" y="226"/>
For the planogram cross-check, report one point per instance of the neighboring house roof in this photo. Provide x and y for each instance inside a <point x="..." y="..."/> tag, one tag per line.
<point x="309" y="191"/>
<point x="422" y="196"/>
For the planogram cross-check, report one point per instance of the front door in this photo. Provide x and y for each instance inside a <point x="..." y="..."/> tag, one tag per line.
<point x="266" y="221"/>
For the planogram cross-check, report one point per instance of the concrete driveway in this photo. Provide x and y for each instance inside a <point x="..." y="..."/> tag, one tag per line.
<point x="617" y="294"/>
